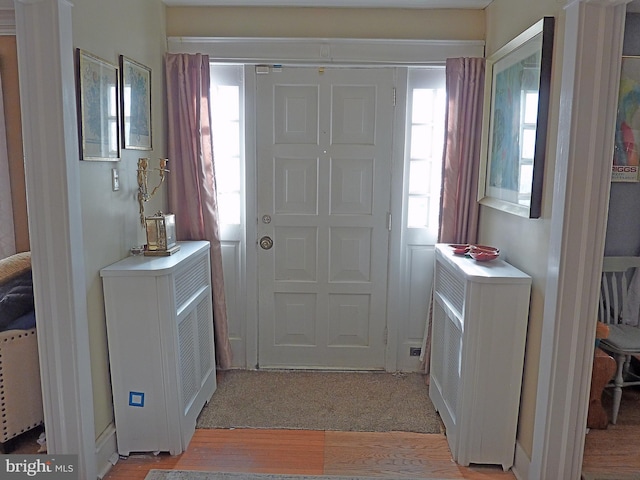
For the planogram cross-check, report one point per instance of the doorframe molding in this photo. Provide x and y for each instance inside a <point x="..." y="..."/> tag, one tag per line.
<point x="320" y="51"/>
<point x="305" y="52"/>
<point x="44" y="32"/>
<point x="593" y="38"/>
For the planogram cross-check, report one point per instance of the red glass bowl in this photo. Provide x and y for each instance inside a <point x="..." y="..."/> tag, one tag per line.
<point x="460" y="248"/>
<point x="483" y="256"/>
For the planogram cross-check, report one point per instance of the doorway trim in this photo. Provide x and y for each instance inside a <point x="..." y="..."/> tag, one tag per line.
<point x="593" y="37"/>
<point x="50" y="141"/>
<point x="305" y="52"/>
<point x="318" y="51"/>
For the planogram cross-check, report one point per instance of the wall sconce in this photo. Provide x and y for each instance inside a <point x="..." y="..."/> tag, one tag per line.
<point x="143" y="178"/>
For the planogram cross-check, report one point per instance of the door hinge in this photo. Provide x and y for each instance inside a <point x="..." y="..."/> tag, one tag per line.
<point x="394" y="96"/>
<point x="389" y="221"/>
<point x="386" y="334"/>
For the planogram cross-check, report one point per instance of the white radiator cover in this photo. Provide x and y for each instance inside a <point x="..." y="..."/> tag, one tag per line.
<point x="479" y="330"/>
<point x="161" y="347"/>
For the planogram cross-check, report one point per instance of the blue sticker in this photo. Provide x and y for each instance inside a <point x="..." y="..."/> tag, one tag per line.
<point x="136" y="399"/>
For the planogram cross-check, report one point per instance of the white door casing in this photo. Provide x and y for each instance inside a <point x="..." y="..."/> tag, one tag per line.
<point x="324" y="177"/>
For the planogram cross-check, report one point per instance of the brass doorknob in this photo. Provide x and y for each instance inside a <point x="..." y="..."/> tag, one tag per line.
<point x="266" y="243"/>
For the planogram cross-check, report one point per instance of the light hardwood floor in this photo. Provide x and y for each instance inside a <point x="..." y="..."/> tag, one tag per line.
<point x="614" y="450"/>
<point x="617" y="448"/>
<point x="396" y="455"/>
<point x="305" y="452"/>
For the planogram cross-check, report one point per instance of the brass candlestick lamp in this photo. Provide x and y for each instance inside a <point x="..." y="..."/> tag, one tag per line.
<point x="160" y="228"/>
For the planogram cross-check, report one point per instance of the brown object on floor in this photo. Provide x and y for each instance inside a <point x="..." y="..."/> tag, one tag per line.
<point x="604" y="366"/>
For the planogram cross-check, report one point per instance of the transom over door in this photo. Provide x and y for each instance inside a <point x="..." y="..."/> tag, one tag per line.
<point x="324" y="176"/>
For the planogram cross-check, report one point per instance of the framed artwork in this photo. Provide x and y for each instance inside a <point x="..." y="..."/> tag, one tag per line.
<point x="136" y="104"/>
<point x="626" y="149"/>
<point x="98" y="104"/>
<point x="516" y="107"/>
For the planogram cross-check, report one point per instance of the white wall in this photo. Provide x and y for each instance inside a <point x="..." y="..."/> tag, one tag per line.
<point x="110" y="219"/>
<point x="524" y="242"/>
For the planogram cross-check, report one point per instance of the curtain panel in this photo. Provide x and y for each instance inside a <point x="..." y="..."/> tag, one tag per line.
<point x="191" y="184"/>
<point x="461" y="163"/>
<point x="7" y="230"/>
<point x="459" y="208"/>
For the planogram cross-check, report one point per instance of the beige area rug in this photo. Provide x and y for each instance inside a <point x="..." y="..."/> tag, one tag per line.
<point x="193" y="475"/>
<point x="341" y="401"/>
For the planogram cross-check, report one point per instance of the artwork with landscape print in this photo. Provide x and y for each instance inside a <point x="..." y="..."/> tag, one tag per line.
<point x="626" y="159"/>
<point x="136" y="105"/>
<point x="97" y="108"/>
<point x="518" y="78"/>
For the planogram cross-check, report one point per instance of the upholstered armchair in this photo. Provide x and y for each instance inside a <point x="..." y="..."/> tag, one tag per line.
<point x="20" y="390"/>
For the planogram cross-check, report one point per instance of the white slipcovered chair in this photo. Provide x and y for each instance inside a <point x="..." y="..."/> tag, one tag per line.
<point x="620" y="309"/>
<point x="20" y="390"/>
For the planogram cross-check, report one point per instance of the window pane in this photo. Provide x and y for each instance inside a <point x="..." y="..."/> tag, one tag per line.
<point x="526" y="178"/>
<point x="226" y="82"/>
<point x="425" y="149"/>
<point x="226" y="139"/>
<point x="528" y="143"/>
<point x="422" y="107"/>
<point x="228" y="174"/>
<point x="420" y="141"/>
<point x="418" y="212"/>
<point x="419" y="177"/>
<point x="113" y="137"/>
<point x="225" y="102"/>
<point x="229" y="208"/>
<point x="531" y="107"/>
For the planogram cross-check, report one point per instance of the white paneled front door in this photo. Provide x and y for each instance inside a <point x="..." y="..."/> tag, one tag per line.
<point x="324" y="176"/>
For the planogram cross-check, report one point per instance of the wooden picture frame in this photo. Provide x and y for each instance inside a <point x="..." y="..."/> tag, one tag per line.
<point x="516" y="109"/>
<point x="98" y="108"/>
<point x="135" y="105"/>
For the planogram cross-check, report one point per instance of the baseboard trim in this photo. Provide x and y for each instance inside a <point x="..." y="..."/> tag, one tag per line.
<point x="106" y="451"/>
<point x="521" y="463"/>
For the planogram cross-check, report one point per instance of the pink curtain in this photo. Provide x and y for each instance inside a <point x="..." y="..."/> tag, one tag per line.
<point x="192" y="189"/>
<point x="461" y="162"/>
<point x="458" y="206"/>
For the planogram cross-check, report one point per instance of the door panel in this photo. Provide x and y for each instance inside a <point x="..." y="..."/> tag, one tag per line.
<point x="324" y="167"/>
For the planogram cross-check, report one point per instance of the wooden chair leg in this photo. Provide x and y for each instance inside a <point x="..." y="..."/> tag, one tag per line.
<point x="617" y="390"/>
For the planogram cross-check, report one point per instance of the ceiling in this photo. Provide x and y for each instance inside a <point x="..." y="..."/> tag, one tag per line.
<point x="471" y="4"/>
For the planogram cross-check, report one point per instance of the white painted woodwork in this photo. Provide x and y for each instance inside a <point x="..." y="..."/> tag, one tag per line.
<point x="412" y="274"/>
<point x="366" y="52"/>
<point x="324" y="168"/>
<point x="44" y="36"/>
<point x="233" y="235"/>
<point x="591" y="58"/>
<point x="322" y="51"/>
<point x="472" y="4"/>
<point x="480" y="317"/>
<point x="161" y="350"/>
